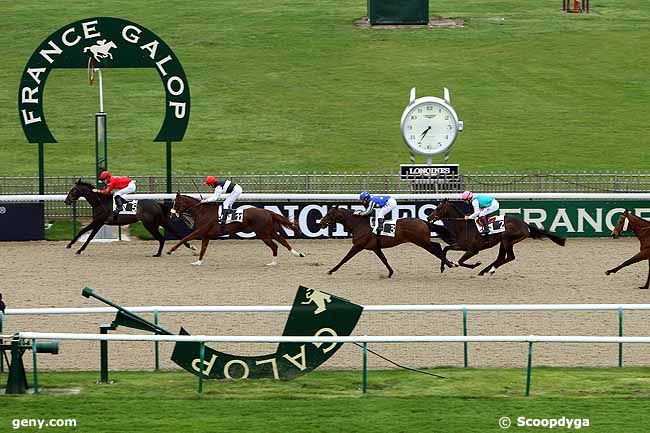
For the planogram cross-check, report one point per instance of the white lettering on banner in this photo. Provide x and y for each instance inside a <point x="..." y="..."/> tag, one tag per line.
<point x="409" y="208"/>
<point x="35" y="74"/>
<point x="88" y="27"/>
<point x="152" y="47"/>
<point x="302" y="220"/>
<point x="226" y="369"/>
<point x="302" y="365"/>
<point x="27" y="95"/>
<point x="28" y="117"/>
<point x="539" y="220"/>
<point x="45" y="53"/>
<point x="611" y="217"/>
<point x="179" y="109"/>
<point x="640" y="211"/>
<point x="160" y="63"/>
<point x="68" y="43"/>
<point x="331" y="332"/>
<point x="274" y="366"/>
<point x="596" y="224"/>
<point x="205" y="371"/>
<point x="422" y="212"/>
<point x="562" y="220"/>
<point x="131" y="34"/>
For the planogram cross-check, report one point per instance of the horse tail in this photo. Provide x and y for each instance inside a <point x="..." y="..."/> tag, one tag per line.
<point x="285" y="222"/>
<point x="537" y="233"/>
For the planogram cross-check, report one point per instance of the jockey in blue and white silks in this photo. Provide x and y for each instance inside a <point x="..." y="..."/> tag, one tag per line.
<point x="381" y="204"/>
<point x="483" y="206"/>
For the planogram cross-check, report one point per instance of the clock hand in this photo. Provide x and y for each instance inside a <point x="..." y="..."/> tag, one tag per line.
<point x="423" y="134"/>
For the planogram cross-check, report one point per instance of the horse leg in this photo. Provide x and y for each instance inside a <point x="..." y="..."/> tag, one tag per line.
<point x="195" y="234"/>
<point x="204" y="246"/>
<point x="468" y="254"/>
<point x="444" y="253"/>
<point x="435" y="249"/>
<point x="353" y="252"/>
<point x="269" y="242"/>
<point x="90" y="238"/>
<point x="641" y="255"/>
<point x="647" y="282"/>
<point x="175" y="232"/>
<point x="495" y="264"/>
<point x="81" y="232"/>
<point x="278" y="237"/>
<point x="153" y="229"/>
<point x="384" y="260"/>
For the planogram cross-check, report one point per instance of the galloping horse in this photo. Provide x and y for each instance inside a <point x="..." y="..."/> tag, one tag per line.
<point x="641" y="229"/>
<point x="266" y="225"/>
<point x="467" y="237"/>
<point x="152" y="214"/>
<point x="411" y="230"/>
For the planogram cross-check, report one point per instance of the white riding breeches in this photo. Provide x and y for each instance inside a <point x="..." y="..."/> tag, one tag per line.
<point x="488" y="210"/>
<point x="129" y="189"/>
<point x="232" y="197"/>
<point x="388" y="208"/>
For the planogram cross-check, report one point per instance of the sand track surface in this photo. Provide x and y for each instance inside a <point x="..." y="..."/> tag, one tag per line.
<point x="46" y="274"/>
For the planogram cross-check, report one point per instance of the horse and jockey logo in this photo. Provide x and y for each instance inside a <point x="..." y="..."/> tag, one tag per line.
<point x="318" y="298"/>
<point x="101" y="50"/>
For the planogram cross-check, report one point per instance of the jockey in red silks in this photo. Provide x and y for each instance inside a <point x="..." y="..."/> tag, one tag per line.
<point x="118" y="186"/>
<point x="223" y="187"/>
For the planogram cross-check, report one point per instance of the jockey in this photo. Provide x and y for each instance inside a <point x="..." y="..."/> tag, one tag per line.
<point x="223" y="187"/>
<point x="483" y="205"/>
<point x="118" y="186"/>
<point x="381" y="204"/>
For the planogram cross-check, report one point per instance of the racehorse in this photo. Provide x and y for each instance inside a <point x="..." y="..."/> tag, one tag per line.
<point x="152" y="214"/>
<point x="641" y="229"/>
<point x="467" y="237"/>
<point x="411" y="230"/>
<point x="266" y="225"/>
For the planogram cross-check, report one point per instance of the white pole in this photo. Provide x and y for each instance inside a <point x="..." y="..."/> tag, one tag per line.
<point x="101" y="91"/>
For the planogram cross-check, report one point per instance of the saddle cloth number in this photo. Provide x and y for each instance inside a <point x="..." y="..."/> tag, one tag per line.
<point x="388" y="228"/>
<point x="495" y="224"/>
<point x="236" y="217"/>
<point x="128" y="208"/>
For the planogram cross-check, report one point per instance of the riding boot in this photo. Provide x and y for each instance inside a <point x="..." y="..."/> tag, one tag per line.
<point x="119" y="202"/>
<point x="380" y="225"/>
<point x="485" y="230"/>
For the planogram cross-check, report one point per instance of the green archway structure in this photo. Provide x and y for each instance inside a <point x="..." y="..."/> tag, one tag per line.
<point x="110" y="43"/>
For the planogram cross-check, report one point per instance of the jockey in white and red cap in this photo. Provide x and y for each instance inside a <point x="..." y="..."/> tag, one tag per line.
<point x="118" y="186"/>
<point x="223" y="187"/>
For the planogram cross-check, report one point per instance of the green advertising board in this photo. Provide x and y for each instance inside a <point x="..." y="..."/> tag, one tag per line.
<point x="575" y="218"/>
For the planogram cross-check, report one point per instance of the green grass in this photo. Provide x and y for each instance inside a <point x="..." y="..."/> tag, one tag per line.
<point x="293" y="86"/>
<point x="60" y="230"/>
<point x="468" y="400"/>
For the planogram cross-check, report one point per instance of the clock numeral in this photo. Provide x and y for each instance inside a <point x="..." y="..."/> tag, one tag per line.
<point x="429" y="107"/>
<point x="449" y="127"/>
<point x="446" y="137"/>
<point x="412" y="137"/>
<point x="411" y="127"/>
<point x="419" y="110"/>
<point x="413" y="117"/>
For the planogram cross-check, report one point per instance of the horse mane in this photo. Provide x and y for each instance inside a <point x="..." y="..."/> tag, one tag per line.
<point x="636" y="217"/>
<point x="86" y="184"/>
<point x="454" y="207"/>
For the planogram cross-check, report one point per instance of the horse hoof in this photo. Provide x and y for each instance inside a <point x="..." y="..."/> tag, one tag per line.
<point x="643" y="287"/>
<point x="301" y="255"/>
<point x="197" y="263"/>
<point x="492" y="270"/>
<point x="329" y="272"/>
<point x="68" y="246"/>
<point x="273" y="263"/>
<point x="193" y="248"/>
<point x="608" y="272"/>
<point x="78" y="252"/>
<point x="169" y="253"/>
<point x="156" y="255"/>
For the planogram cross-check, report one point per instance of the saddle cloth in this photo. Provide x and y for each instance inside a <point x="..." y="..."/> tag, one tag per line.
<point x="129" y="207"/>
<point x="496" y="224"/>
<point x="236" y="217"/>
<point x="387" y="229"/>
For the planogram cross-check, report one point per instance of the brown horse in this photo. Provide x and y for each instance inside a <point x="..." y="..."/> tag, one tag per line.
<point x="467" y="237"/>
<point x="411" y="230"/>
<point x="266" y="225"/>
<point x="641" y="229"/>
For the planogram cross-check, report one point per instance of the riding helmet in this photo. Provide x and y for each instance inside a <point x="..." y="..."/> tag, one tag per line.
<point x="210" y="180"/>
<point x="105" y="175"/>
<point x="467" y="195"/>
<point x="364" y="195"/>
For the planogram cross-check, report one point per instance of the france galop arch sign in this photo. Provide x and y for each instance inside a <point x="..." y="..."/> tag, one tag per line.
<point x="112" y="43"/>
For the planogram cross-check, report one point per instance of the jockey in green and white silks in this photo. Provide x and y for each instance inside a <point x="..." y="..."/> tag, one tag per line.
<point x="483" y="206"/>
<point x="381" y="204"/>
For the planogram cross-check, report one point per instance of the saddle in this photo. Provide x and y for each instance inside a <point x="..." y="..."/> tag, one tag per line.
<point x="129" y="207"/>
<point x="387" y="228"/>
<point x="496" y="224"/>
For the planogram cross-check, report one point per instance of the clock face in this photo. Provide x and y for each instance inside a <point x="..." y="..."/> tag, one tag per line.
<point x="429" y="127"/>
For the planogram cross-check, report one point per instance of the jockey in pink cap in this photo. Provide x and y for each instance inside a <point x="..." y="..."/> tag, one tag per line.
<point x="483" y="205"/>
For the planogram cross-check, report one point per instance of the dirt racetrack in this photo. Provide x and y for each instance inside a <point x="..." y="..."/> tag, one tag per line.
<point x="45" y="274"/>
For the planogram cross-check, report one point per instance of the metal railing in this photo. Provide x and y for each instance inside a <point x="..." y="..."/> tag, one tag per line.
<point x="323" y="183"/>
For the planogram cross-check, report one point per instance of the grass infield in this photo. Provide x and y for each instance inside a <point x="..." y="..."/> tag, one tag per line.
<point x="295" y="86"/>
<point x="468" y="400"/>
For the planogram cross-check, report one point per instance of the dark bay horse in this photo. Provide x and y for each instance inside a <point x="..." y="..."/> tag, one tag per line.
<point x="267" y="225"/>
<point x="641" y="229"/>
<point x="467" y="237"/>
<point x="411" y="230"/>
<point x="152" y="214"/>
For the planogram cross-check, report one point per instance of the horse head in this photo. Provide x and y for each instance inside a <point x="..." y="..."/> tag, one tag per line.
<point x="620" y="225"/>
<point x="183" y="203"/>
<point x="334" y="215"/>
<point x="442" y="210"/>
<point x="79" y="189"/>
